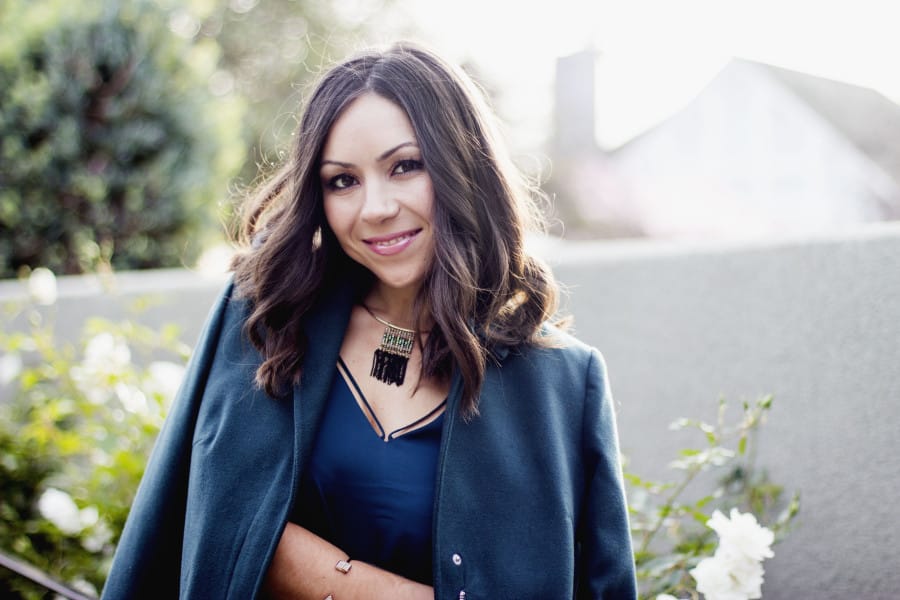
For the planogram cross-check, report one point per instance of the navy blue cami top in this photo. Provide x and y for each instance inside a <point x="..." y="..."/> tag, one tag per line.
<point x="371" y="493"/>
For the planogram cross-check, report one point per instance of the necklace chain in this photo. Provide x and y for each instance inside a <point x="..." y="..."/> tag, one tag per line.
<point x="387" y="323"/>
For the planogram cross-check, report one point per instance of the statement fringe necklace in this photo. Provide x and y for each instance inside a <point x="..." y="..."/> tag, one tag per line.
<point x="389" y="361"/>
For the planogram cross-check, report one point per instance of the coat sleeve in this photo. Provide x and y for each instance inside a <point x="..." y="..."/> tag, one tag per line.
<point x="606" y="562"/>
<point x="147" y="561"/>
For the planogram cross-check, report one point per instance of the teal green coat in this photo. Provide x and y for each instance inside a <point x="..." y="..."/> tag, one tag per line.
<point x="528" y="499"/>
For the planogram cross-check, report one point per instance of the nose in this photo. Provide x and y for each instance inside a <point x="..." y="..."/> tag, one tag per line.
<point x="379" y="203"/>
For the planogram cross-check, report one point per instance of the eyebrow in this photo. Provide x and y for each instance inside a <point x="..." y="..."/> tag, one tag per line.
<point x="385" y="155"/>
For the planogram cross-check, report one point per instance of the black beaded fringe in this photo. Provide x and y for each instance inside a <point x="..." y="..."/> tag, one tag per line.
<point x="388" y="367"/>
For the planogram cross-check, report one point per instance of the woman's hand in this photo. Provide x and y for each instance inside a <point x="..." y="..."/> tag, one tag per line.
<point x="304" y="569"/>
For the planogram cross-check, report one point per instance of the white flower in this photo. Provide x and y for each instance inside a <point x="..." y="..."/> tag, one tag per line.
<point x="42" y="286"/>
<point x="714" y="581"/>
<point x="106" y="353"/>
<point x="132" y="399"/>
<point x="58" y="507"/>
<point x="105" y="357"/>
<point x="735" y="571"/>
<point x="747" y="574"/>
<point x="665" y="597"/>
<point x="10" y="367"/>
<point x="88" y="516"/>
<point x="164" y="378"/>
<point x="721" y="577"/>
<point x="742" y="535"/>
<point x="98" y="538"/>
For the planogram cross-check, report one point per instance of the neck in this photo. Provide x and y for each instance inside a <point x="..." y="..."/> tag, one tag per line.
<point x="394" y="305"/>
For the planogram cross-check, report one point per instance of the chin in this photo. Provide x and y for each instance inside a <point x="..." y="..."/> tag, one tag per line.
<point x="398" y="283"/>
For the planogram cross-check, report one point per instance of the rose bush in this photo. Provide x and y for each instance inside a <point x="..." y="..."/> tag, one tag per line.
<point x="77" y="424"/>
<point x="675" y="552"/>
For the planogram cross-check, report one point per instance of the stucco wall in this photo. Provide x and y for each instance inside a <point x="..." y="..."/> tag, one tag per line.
<point x="817" y="324"/>
<point x="814" y="322"/>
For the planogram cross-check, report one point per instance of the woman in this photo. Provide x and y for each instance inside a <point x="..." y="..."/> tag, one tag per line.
<point x="377" y="407"/>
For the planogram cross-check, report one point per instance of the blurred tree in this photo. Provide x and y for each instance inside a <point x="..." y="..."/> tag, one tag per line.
<point x="113" y="148"/>
<point x="272" y="49"/>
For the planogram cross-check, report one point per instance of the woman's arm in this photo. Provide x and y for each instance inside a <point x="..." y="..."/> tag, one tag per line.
<point x="607" y="560"/>
<point x="304" y="569"/>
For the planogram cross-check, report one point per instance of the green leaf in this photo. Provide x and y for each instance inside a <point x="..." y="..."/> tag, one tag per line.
<point x="704" y="501"/>
<point x="689" y="452"/>
<point x="633" y="479"/>
<point x="699" y="516"/>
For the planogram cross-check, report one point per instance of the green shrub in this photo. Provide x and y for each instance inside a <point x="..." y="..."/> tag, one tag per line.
<point x="113" y="150"/>
<point x="77" y="422"/>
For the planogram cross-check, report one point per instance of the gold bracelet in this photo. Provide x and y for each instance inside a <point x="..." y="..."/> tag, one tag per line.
<point x="343" y="566"/>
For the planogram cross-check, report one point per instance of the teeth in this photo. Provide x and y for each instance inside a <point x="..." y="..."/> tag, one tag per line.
<point x="393" y="241"/>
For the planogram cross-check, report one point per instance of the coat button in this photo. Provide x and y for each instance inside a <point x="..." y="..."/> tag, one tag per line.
<point x="457" y="559"/>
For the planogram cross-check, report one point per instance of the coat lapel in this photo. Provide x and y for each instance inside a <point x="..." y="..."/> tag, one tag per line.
<point x="325" y="327"/>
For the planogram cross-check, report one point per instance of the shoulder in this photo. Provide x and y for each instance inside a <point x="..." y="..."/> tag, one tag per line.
<point x="231" y="299"/>
<point x="228" y="312"/>
<point x="554" y="345"/>
<point x="556" y="360"/>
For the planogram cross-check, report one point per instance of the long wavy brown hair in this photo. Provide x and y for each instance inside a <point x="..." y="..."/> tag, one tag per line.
<point x="482" y="289"/>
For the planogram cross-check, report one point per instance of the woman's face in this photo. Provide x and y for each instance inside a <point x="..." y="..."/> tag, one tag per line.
<point x="378" y="197"/>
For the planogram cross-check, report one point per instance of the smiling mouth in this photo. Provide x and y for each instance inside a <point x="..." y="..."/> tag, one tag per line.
<point x="393" y="239"/>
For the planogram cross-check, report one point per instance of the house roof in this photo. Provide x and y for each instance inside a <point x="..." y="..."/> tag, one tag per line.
<point x="867" y="118"/>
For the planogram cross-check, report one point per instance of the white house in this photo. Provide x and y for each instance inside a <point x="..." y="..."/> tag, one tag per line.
<point x="759" y="151"/>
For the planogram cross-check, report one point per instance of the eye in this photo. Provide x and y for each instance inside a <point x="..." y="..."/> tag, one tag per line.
<point x="340" y="182"/>
<point x="407" y="165"/>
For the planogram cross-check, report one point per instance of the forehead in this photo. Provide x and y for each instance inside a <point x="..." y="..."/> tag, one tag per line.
<point x="369" y="122"/>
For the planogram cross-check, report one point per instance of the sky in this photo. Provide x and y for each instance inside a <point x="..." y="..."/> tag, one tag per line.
<point x="655" y="54"/>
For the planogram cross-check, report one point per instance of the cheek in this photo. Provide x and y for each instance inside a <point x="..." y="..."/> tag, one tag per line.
<point x="426" y="200"/>
<point x="336" y="217"/>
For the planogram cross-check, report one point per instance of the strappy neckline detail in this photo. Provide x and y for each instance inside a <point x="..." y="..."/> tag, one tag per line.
<point x="370" y="415"/>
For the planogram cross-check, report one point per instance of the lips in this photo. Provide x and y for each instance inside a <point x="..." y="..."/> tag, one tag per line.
<point x="392" y="243"/>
